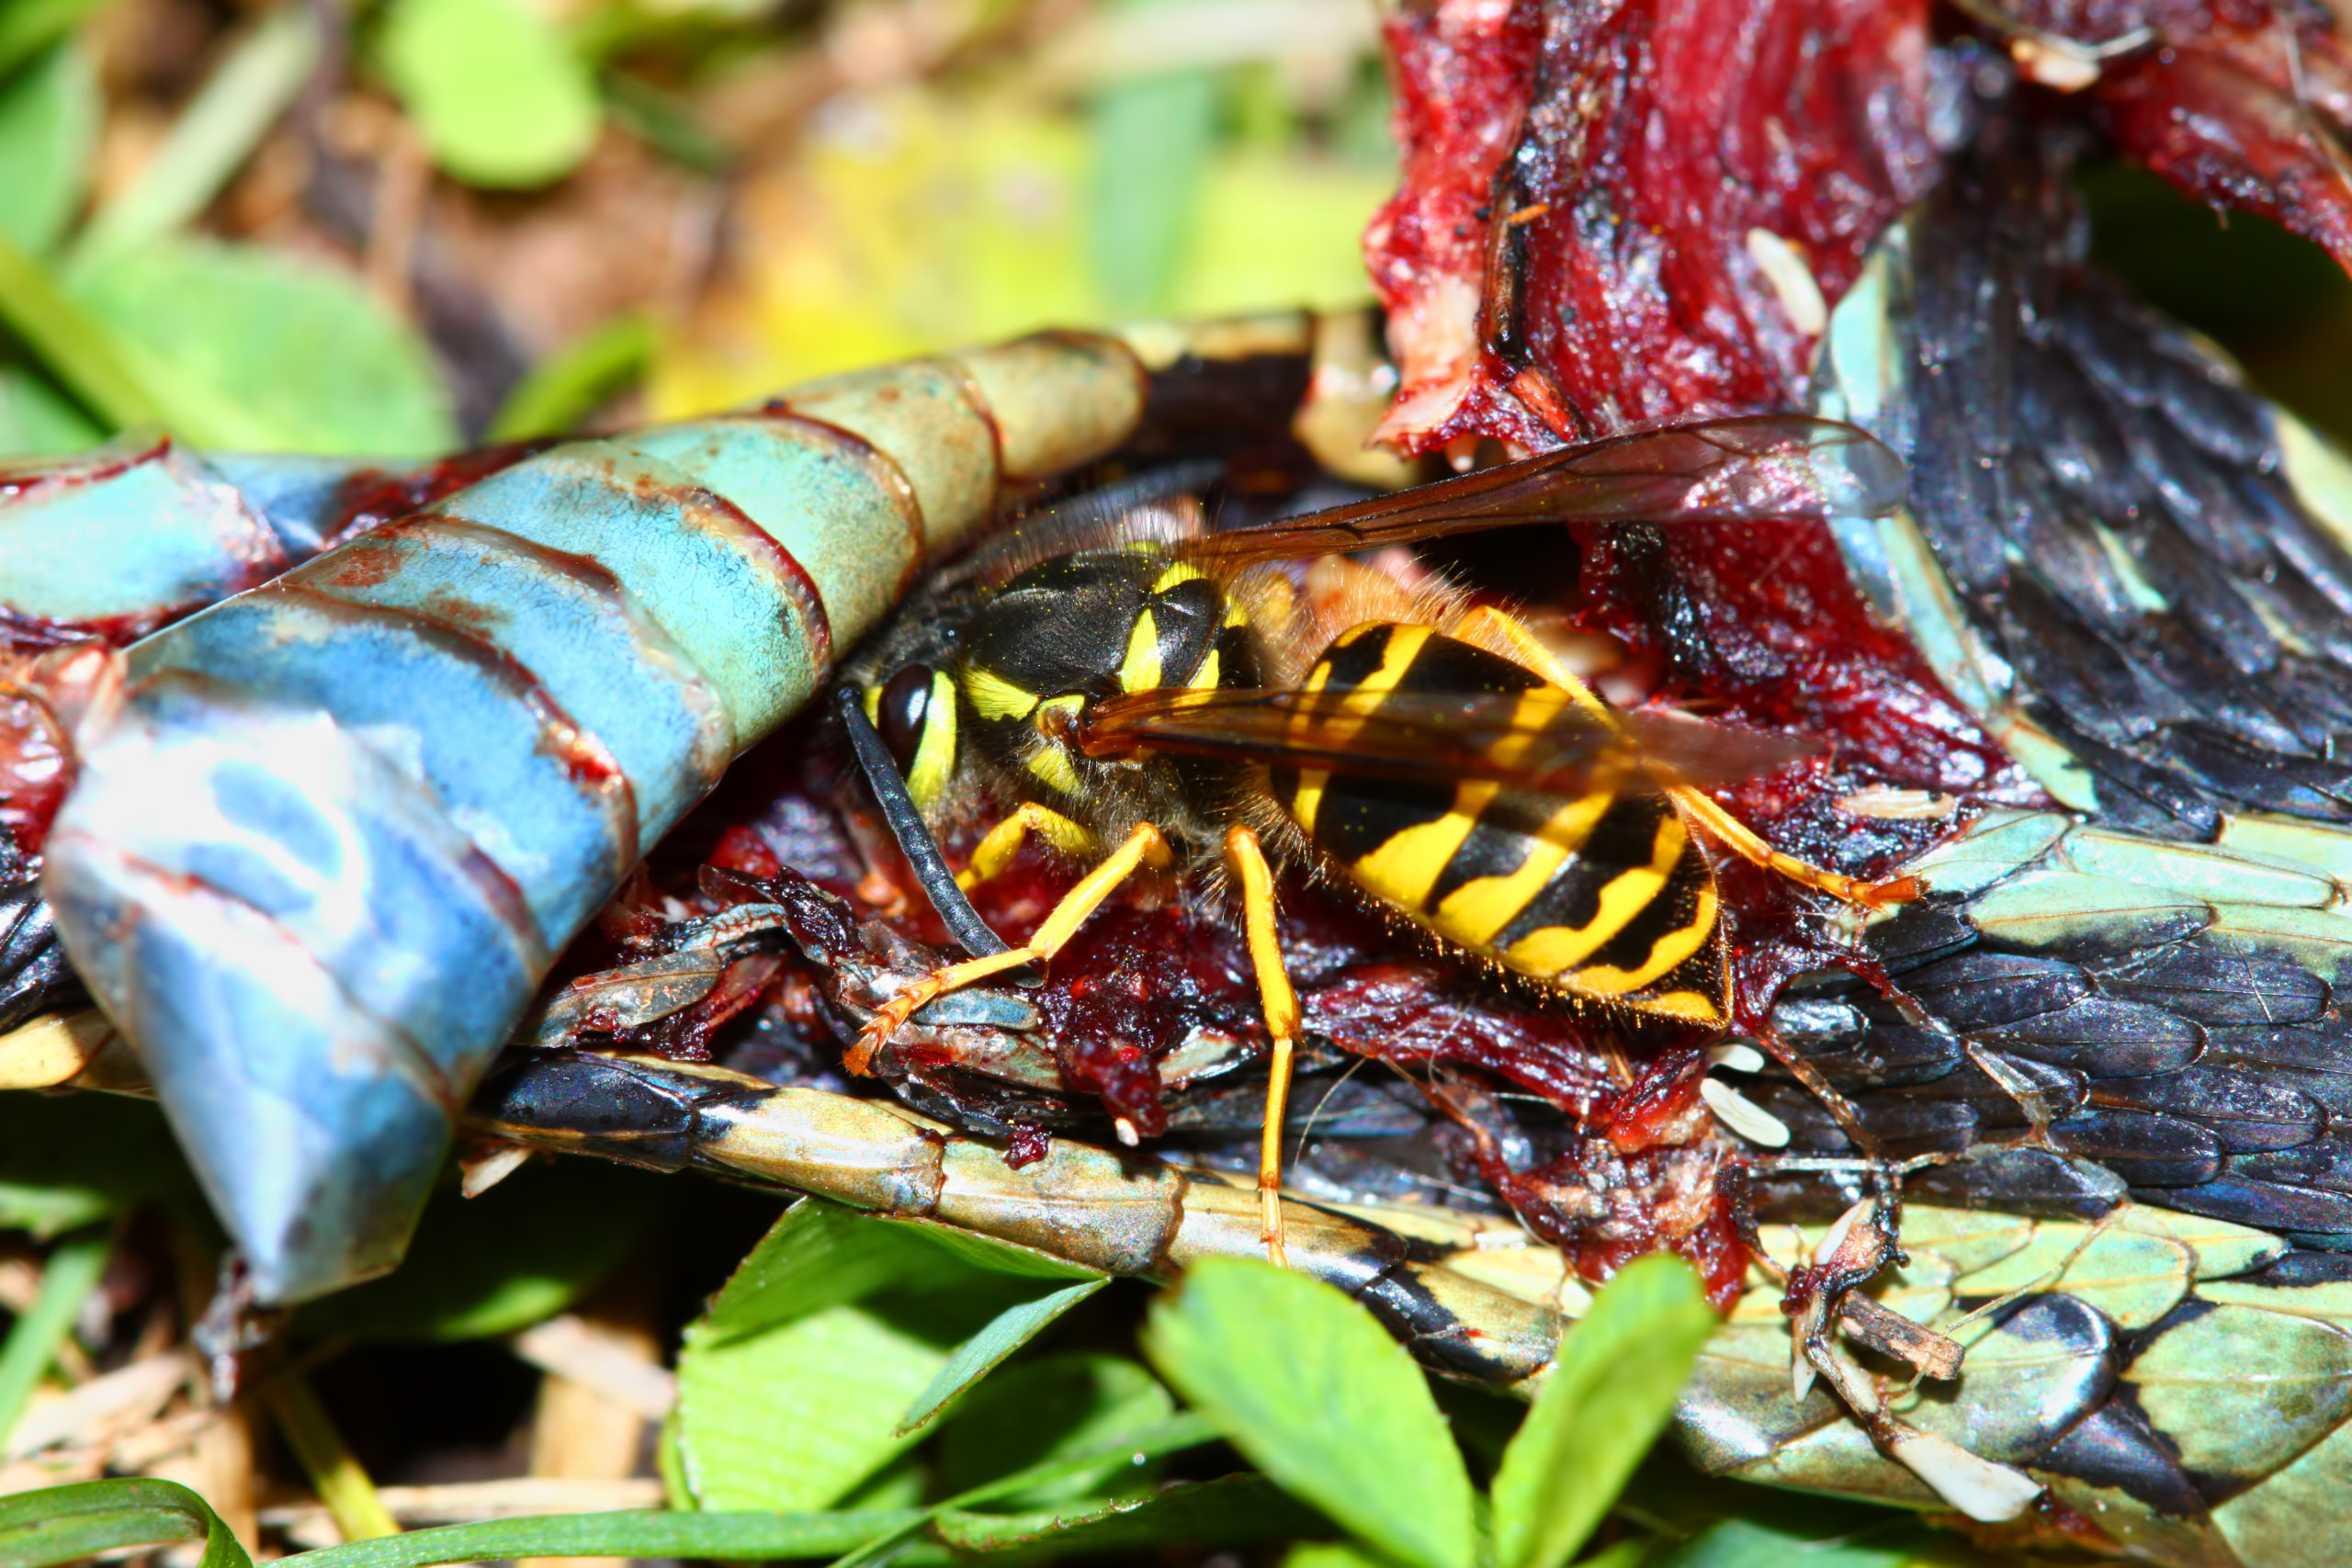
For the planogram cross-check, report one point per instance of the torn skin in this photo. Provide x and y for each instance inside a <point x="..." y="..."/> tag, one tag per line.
<point x="1569" y="255"/>
<point x="1599" y="201"/>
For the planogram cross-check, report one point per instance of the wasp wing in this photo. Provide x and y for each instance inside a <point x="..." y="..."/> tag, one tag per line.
<point x="1774" y="466"/>
<point x="1541" y="740"/>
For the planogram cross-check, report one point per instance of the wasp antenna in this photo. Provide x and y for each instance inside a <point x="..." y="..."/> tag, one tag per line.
<point x="914" y="837"/>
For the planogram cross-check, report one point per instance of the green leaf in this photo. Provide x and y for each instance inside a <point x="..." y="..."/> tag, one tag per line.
<point x="67" y="1278"/>
<point x="68" y="1159"/>
<point x="791" y="1388"/>
<point x="49" y="126"/>
<point x="726" y="1538"/>
<point x="797" y="1416"/>
<point x="79" y="349"/>
<point x="570" y="385"/>
<point x="1172" y="1436"/>
<point x="1742" y="1543"/>
<point x="500" y="97"/>
<point x="27" y="27"/>
<point x="1332" y="1554"/>
<point x="214" y="135"/>
<point x="985" y="1351"/>
<point x="1046" y="1409"/>
<point x="1608" y="1396"/>
<point x="1224" y="1512"/>
<point x="818" y="1255"/>
<point x="35" y="421"/>
<point x="1309" y="1386"/>
<point x="1151" y="136"/>
<point x="268" y="351"/>
<point x="483" y="1267"/>
<point x="63" y="1523"/>
<point x="992" y="1253"/>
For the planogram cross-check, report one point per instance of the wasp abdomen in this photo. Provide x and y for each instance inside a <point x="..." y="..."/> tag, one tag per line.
<point x="1602" y="893"/>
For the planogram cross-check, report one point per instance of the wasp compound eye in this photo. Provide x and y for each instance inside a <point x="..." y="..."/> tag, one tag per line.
<point x="899" y="715"/>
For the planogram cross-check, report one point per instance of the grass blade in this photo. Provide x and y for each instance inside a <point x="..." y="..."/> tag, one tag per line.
<point x="571" y="383"/>
<point x="214" y="135"/>
<point x="985" y="1351"/>
<point x="335" y="1472"/>
<point x="66" y="1281"/>
<point x="1608" y="1397"/>
<point x="63" y="1523"/>
<point x="725" y="1537"/>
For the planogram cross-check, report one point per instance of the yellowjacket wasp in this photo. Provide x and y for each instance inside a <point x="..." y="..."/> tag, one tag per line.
<point x="1142" y="694"/>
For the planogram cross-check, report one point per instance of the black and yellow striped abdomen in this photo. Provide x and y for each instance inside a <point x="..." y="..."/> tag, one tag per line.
<point x="1602" y="894"/>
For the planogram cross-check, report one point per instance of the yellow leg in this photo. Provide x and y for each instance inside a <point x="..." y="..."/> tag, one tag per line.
<point x="995" y="851"/>
<point x="1502" y="634"/>
<point x="1281" y="1005"/>
<point x="1741" y="840"/>
<point x="1144" y="847"/>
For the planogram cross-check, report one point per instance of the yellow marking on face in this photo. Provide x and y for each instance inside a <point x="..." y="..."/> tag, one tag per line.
<point x="1407" y="864"/>
<point x="1176" y="573"/>
<point x="1051" y="766"/>
<point x="934" y="759"/>
<point x="994" y="697"/>
<point x="874" y="707"/>
<point x="1474" y="913"/>
<point x="1308" y="799"/>
<point x="1206" y="677"/>
<point x="1553" y="950"/>
<point x="1140" y="670"/>
<point x="1050" y="763"/>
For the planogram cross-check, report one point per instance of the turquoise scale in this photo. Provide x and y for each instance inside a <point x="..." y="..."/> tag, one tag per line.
<point x="318" y="860"/>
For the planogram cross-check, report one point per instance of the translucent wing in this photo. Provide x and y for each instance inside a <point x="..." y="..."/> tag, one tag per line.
<point x="1777" y="465"/>
<point x="1541" y="740"/>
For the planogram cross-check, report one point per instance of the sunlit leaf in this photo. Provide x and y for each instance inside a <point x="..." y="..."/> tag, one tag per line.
<point x="797" y="1416"/>
<point x="499" y="94"/>
<point x="49" y="126"/>
<point x="1309" y="1386"/>
<point x="792" y="1389"/>
<point x="817" y="1255"/>
<point x="1609" y="1396"/>
<point x="276" y="352"/>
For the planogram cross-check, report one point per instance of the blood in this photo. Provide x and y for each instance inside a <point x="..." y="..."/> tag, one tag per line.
<point x="373" y="497"/>
<point x="1573" y="249"/>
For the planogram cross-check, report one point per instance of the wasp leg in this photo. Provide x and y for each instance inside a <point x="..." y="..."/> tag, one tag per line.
<point x="1144" y="847"/>
<point x="995" y="851"/>
<point x="1741" y="840"/>
<point x="1280" y="1004"/>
